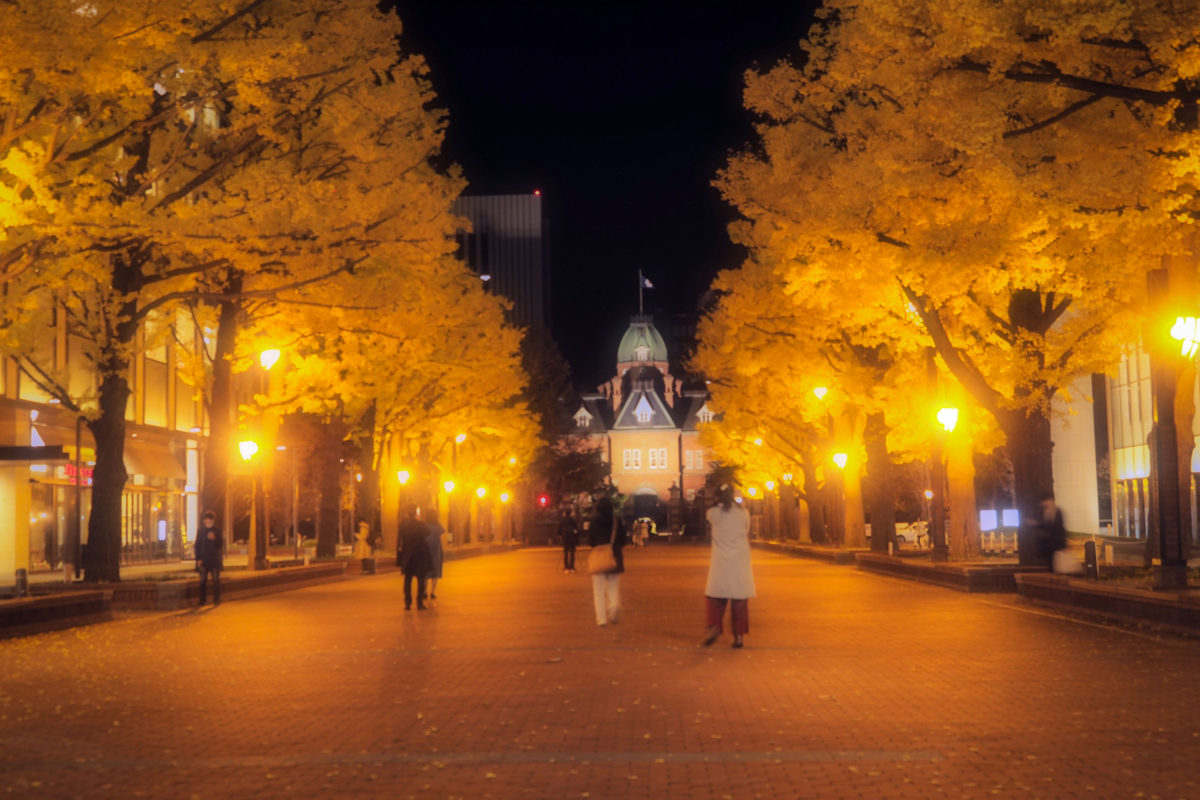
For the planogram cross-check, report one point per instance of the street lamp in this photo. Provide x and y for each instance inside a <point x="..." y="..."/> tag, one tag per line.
<point x="462" y="437"/>
<point x="268" y="358"/>
<point x="481" y="492"/>
<point x="770" y="486"/>
<point x="505" y="497"/>
<point x="820" y="392"/>
<point x="258" y="549"/>
<point x="403" y="476"/>
<point x="758" y="442"/>
<point x="948" y="417"/>
<point x="841" y="459"/>
<point x="448" y="486"/>
<point x="1185" y="332"/>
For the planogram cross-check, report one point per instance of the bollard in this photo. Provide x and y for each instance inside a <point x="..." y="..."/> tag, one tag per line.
<point x="22" y="583"/>
<point x="1090" y="567"/>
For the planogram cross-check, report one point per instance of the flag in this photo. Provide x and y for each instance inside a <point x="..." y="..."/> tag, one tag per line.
<point x="646" y="284"/>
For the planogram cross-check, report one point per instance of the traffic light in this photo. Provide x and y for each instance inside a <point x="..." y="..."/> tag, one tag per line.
<point x="543" y="500"/>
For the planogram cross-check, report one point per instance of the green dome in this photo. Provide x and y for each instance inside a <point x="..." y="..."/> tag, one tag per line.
<point x="642" y="339"/>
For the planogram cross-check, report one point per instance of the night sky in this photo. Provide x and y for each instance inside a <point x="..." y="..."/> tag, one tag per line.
<point x="621" y="114"/>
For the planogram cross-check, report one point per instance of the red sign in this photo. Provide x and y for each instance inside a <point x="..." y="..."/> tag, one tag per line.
<point x="72" y="473"/>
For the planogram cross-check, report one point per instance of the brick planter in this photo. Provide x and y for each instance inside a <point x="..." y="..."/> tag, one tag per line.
<point x="166" y="595"/>
<point x="1180" y="610"/>
<point x="973" y="578"/>
<point x="26" y="615"/>
<point x="832" y="555"/>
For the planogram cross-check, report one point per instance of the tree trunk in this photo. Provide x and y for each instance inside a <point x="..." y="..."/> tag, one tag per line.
<point x="815" y="503"/>
<point x="963" y="536"/>
<point x="219" y="449"/>
<point x="331" y="493"/>
<point x="102" y="558"/>
<point x="1029" y="448"/>
<point x="850" y="431"/>
<point x="883" y="491"/>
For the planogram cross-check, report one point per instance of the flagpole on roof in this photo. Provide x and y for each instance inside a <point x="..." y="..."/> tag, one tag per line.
<point x="641" y="283"/>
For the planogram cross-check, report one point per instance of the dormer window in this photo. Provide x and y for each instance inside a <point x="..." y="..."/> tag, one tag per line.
<point x="641" y="352"/>
<point x="643" y="412"/>
<point x="582" y="418"/>
<point x="704" y="414"/>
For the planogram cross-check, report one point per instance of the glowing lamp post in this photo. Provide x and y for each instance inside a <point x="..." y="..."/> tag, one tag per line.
<point x="841" y="459"/>
<point x="403" y="476"/>
<point x="257" y="543"/>
<point x="820" y="392"/>
<point x="948" y="419"/>
<point x="481" y="492"/>
<point x="1185" y="332"/>
<point x="448" y="486"/>
<point x="268" y="358"/>
<point x="1171" y="571"/>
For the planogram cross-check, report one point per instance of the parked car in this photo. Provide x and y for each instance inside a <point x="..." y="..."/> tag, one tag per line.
<point x="912" y="532"/>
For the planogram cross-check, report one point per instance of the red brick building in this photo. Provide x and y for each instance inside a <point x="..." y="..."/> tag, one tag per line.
<point x="646" y="424"/>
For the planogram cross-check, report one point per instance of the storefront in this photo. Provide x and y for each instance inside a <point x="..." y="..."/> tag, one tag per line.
<point x="158" y="506"/>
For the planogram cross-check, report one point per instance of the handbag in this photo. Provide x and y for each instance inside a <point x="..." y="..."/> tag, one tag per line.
<point x="603" y="558"/>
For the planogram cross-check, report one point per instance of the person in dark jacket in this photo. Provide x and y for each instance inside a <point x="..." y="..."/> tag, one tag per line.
<point x="413" y="557"/>
<point x="568" y="532"/>
<point x="606" y="586"/>
<point x="209" y="549"/>
<point x="1051" y="532"/>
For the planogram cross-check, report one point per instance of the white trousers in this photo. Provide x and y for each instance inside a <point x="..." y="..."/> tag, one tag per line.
<point x="606" y="596"/>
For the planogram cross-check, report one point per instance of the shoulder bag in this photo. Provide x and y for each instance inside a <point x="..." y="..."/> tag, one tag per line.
<point x="602" y="559"/>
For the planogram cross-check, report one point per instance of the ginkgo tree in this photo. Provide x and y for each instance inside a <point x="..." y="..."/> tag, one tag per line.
<point x="1013" y="169"/>
<point x="412" y="359"/>
<point x="153" y="156"/>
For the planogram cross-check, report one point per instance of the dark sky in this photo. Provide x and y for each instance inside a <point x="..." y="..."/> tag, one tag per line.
<point x="621" y="113"/>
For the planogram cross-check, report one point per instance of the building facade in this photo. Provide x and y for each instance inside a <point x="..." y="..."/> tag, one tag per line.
<point x="1102" y="461"/>
<point x="41" y="500"/>
<point x="508" y="246"/>
<point x="646" y="424"/>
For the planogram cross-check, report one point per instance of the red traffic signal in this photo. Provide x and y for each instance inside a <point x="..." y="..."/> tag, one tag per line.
<point x="543" y="500"/>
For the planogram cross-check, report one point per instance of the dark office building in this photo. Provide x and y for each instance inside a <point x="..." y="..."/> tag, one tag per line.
<point x="509" y="243"/>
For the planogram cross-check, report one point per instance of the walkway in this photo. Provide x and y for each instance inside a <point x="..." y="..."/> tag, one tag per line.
<point x="851" y="685"/>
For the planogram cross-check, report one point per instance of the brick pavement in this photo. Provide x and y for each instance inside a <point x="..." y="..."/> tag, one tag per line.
<point x="851" y="686"/>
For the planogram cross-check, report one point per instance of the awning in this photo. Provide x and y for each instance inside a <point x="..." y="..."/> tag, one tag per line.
<point x="152" y="461"/>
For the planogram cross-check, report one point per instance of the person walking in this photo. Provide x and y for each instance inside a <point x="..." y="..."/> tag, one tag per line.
<point x="568" y="532"/>
<point x="606" y="527"/>
<point x="363" y="549"/>
<point x="730" y="578"/>
<point x="1050" y="531"/>
<point x="436" y="555"/>
<point x="209" y="550"/>
<point x="413" y="557"/>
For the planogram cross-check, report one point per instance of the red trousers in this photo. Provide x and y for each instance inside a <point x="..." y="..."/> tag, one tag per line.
<point x="739" y="613"/>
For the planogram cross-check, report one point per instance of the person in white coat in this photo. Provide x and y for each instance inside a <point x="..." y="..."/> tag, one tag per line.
<point x="730" y="579"/>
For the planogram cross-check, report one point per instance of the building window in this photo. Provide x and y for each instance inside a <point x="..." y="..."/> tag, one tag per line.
<point x="654" y="458"/>
<point x="699" y="459"/>
<point x="582" y="418"/>
<point x="633" y="459"/>
<point x="643" y="412"/>
<point x="662" y="458"/>
<point x="689" y="460"/>
<point x="641" y="353"/>
<point x="704" y="414"/>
